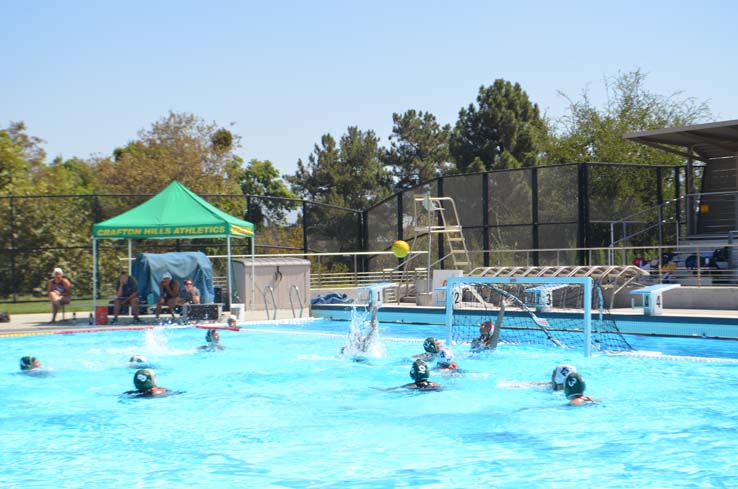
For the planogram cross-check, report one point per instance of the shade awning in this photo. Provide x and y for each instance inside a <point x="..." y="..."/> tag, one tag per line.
<point x="174" y="213"/>
<point x="714" y="140"/>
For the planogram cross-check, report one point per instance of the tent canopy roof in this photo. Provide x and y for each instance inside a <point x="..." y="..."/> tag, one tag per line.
<point x="174" y="213"/>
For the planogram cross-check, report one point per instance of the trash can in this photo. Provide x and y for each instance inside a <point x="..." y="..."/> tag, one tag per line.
<point x="101" y="315"/>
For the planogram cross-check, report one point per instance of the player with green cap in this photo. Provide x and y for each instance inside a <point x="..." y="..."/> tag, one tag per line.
<point x="420" y="373"/>
<point x="574" y="387"/>
<point x="145" y="382"/>
<point x="29" y="363"/>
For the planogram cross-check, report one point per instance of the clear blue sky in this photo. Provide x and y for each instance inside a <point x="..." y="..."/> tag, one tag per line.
<point x="87" y="76"/>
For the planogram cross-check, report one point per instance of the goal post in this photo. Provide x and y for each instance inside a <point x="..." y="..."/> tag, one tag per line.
<point x="567" y="312"/>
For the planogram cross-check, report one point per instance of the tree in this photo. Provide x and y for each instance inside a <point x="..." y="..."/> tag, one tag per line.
<point x="350" y="175"/>
<point x="180" y="146"/>
<point x="21" y="156"/>
<point x="589" y="133"/>
<point x="346" y="175"/>
<point x="504" y="130"/>
<point x="262" y="178"/>
<point x="419" y="148"/>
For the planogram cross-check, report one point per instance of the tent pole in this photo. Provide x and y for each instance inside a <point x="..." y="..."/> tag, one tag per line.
<point x="230" y="279"/>
<point x="94" y="276"/>
<point x="253" y="275"/>
<point x="130" y="252"/>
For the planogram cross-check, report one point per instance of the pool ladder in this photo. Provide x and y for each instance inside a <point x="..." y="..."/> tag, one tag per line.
<point x="269" y="289"/>
<point x="299" y="301"/>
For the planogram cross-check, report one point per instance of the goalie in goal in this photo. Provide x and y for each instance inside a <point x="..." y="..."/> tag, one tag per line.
<point x="560" y="312"/>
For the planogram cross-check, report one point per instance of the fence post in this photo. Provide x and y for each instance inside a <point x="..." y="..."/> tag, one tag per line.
<point x="12" y="249"/>
<point x="534" y="214"/>
<point x="485" y="218"/>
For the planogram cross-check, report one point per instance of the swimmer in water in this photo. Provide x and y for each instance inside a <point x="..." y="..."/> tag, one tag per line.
<point x="420" y="373"/>
<point x="446" y="363"/>
<point x="559" y="374"/>
<point x="432" y="346"/>
<point x="574" y="388"/>
<point x="556" y="383"/>
<point x="362" y="344"/>
<point x="145" y="382"/>
<point x="137" y="361"/>
<point x="489" y="335"/>
<point x="232" y="321"/>
<point x="28" y="364"/>
<point x="213" y="339"/>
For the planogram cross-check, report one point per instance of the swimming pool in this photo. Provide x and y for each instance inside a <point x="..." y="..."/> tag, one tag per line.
<point x="279" y="408"/>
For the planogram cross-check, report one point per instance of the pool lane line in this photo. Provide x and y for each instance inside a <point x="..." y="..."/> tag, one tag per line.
<point x="26" y="333"/>
<point x="660" y="356"/>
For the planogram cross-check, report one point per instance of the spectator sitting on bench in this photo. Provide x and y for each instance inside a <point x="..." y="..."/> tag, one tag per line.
<point x="168" y="294"/>
<point x="126" y="293"/>
<point x="60" y="292"/>
<point x="190" y="294"/>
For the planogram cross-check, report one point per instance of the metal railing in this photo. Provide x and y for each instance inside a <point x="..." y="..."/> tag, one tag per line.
<point x="269" y="289"/>
<point x="692" y="209"/>
<point x="299" y="300"/>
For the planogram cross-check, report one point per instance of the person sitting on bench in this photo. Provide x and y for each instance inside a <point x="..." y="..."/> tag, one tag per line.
<point x="126" y="293"/>
<point x="168" y="294"/>
<point x="190" y="294"/>
<point x="60" y="292"/>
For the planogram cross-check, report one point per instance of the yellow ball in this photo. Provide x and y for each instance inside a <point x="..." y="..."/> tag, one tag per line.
<point x="400" y="248"/>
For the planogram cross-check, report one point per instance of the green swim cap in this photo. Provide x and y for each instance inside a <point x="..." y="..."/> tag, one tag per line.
<point x="419" y="371"/>
<point x="26" y="363"/>
<point x="144" y="379"/>
<point x="210" y="336"/>
<point x="574" y="385"/>
<point x="430" y="345"/>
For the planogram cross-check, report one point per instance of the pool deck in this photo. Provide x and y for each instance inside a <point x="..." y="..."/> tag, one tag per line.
<point x="38" y="324"/>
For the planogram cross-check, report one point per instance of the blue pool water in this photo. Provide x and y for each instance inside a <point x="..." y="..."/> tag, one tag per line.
<point x="279" y="408"/>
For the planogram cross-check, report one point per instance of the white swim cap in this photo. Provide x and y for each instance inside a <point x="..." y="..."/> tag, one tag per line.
<point x="445" y="356"/>
<point x="561" y="371"/>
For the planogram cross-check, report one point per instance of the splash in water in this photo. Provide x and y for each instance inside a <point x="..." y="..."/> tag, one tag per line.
<point x="360" y="346"/>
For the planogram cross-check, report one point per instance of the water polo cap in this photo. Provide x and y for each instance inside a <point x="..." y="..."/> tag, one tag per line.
<point x="144" y="379"/>
<point x="560" y="372"/>
<point x="419" y="371"/>
<point x="574" y="385"/>
<point x="137" y="359"/>
<point x="430" y="345"/>
<point x="445" y="357"/>
<point x="26" y="363"/>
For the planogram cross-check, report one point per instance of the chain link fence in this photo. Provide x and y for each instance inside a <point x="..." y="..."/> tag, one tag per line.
<point x="549" y="209"/>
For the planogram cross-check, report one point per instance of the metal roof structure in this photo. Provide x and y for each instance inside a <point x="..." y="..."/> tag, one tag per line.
<point x="703" y="142"/>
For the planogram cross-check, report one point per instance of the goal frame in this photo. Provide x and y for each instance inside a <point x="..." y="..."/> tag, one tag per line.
<point x="585" y="282"/>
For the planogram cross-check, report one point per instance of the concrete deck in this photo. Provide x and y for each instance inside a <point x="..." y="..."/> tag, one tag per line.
<point x="35" y="324"/>
<point x="39" y="324"/>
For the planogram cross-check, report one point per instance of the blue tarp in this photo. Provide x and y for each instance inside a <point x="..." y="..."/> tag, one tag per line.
<point x="148" y="269"/>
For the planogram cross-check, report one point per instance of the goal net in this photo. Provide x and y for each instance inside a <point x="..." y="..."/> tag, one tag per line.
<point x="564" y="312"/>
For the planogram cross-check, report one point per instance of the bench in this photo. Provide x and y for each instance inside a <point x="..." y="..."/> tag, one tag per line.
<point x="652" y="301"/>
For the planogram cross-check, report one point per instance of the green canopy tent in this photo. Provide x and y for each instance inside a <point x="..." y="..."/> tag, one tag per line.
<point x="174" y="213"/>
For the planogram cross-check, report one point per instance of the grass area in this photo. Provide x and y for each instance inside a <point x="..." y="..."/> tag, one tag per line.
<point x="44" y="307"/>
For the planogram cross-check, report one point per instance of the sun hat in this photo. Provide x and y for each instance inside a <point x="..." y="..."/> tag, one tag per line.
<point x="166" y="275"/>
<point x="57" y="270"/>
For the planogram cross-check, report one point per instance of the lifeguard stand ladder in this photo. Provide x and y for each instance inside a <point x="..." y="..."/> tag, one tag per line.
<point x="437" y="216"/>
